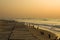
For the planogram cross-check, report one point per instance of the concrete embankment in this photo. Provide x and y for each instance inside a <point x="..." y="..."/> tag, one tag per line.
<point x="10" y="30"/>
<point x="43" y="32"/>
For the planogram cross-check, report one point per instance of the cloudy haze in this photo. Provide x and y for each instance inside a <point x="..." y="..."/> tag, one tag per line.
<point x="29" y="8"/>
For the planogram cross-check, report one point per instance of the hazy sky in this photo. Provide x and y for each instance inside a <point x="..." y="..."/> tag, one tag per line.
<point x="30" y="8"/>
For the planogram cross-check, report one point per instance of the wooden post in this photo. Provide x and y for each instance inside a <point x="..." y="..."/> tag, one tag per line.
<point x="38" y="27"/>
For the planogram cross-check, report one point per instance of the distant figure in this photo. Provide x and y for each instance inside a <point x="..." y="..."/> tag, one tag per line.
<point x="42" y="33"/>
<point x="49" y="35"/>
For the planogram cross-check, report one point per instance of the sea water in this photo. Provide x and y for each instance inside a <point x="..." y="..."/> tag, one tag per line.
<point x="51" y="22"/>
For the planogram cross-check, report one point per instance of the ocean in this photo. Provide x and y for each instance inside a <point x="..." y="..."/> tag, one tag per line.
<point x="51" y="24"/>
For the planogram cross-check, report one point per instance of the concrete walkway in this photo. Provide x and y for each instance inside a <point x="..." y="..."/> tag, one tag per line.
<point x="15" y="31"/>
<point x="5" y="30"/>
<point x="21" y="32"/>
